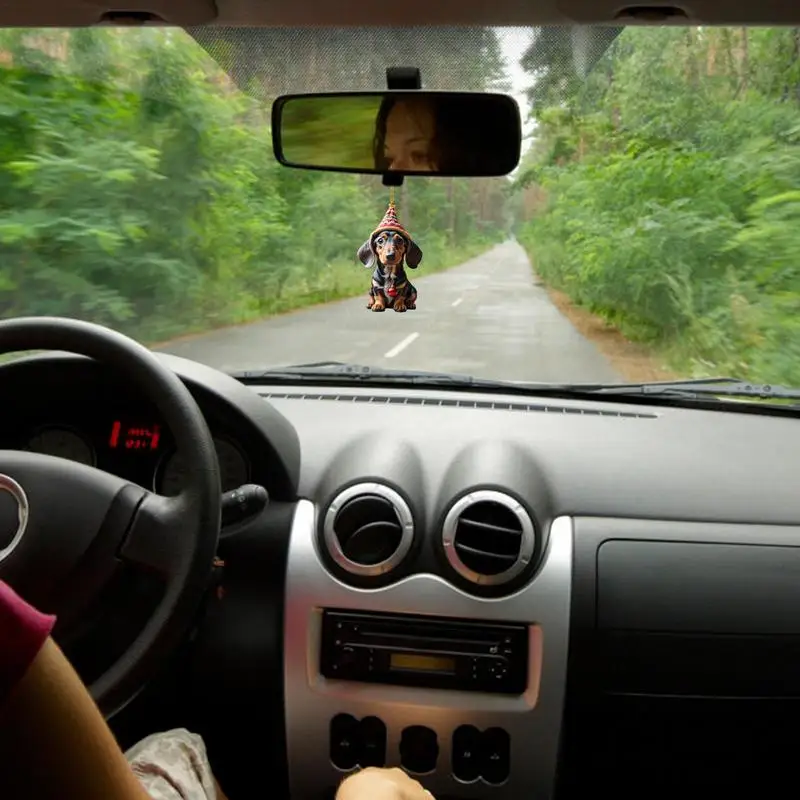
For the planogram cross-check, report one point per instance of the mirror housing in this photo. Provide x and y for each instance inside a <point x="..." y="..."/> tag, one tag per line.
<point x="433" y="134"/>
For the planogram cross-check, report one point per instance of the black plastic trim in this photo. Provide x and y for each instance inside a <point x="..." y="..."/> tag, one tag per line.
<point x="687" y="706"/>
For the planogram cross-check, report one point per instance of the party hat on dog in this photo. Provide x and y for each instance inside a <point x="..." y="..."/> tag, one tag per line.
<point x="391" y="223"/>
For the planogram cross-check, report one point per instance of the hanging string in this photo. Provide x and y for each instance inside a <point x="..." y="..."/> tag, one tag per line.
<point x="391" y="195"/>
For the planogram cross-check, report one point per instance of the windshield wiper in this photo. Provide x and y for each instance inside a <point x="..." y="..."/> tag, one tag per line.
<point x="337" y="370"/>
<point x="697" y="388"/>
<point x="692" y="389"/>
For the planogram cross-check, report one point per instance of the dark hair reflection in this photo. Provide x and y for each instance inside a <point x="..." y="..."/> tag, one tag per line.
<point x="447" y="134"/>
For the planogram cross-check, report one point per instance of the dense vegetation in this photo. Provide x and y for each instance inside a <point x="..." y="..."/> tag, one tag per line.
<point x="138" y="186"/>
<point x="663" y="192"/>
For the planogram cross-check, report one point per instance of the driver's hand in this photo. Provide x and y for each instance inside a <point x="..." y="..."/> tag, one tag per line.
<point x="374" y="783"/>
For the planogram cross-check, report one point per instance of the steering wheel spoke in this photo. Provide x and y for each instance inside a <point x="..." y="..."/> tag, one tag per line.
<point x="61" y="517"/>
<point x="153" y="540"/>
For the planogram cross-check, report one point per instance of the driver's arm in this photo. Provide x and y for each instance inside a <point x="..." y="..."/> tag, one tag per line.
<point x="54" y="742"/>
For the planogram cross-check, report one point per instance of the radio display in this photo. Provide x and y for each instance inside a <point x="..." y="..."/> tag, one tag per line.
<point x="417" y="662"/>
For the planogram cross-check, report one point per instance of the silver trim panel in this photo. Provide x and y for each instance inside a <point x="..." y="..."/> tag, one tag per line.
<point x="404" y="515"/>
<point x="10" y="486"/>
<point x="533" y="719"/>
<point x="527" y="542"/>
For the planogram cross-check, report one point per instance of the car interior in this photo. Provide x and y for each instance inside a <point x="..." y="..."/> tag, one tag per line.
<point x="520" y="595"/>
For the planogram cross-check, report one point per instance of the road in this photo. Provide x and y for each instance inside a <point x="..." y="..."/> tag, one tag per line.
<point x="487" y="317"/>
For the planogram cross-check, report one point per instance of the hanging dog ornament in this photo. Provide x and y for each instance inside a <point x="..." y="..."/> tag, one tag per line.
<point x="388" y="251"/>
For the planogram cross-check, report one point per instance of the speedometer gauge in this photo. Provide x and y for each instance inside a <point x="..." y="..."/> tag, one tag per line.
<point x="234" y="470"/>
<point x="63" y="443"/>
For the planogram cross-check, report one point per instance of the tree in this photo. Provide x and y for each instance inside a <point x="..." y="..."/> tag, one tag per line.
<point x="668" y="186"/>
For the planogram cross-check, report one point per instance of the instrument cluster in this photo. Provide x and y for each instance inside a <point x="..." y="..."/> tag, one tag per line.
<point x="141" y="451"/>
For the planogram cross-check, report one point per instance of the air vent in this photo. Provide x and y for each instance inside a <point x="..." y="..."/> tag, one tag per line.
<point x="368" y="529"/>
<point x="488" y="538"/>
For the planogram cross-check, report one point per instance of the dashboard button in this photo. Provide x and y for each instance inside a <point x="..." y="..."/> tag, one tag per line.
<point x="347" y="661"/>
<point x="372" y="736"/>
<point x="499" y="669"/>
<point x="465" y="757"/>
<point x="495" y="758"/>
<point x="419" y="749"/>
<point x="344" y="743"/>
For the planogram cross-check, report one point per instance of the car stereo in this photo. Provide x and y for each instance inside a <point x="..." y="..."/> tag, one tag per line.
<point x="429" y="652"/>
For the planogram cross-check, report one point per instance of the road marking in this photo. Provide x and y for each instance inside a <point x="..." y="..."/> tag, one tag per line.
<point x="400" y="346"/>
<point x="457" y="302"/>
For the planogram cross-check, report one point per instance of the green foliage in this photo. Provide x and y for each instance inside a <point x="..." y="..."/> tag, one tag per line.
<point x="671" y="186"/>
<point x="138" y="189"/>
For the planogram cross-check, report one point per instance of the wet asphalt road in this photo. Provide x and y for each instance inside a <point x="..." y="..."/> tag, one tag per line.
<point x="487" y="317"/>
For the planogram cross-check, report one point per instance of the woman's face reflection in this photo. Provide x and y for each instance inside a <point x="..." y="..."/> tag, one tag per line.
<point x="410" y="129"/>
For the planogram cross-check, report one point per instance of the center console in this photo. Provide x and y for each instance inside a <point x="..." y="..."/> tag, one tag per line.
<point x="464" y="691"/>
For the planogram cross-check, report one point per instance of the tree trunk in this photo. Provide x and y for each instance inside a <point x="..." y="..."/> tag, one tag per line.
<point x="744" y="60"/>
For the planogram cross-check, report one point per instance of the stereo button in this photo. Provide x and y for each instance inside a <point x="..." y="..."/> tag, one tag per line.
<point x="465" y="758"/>
<point x="495" y="755"/>
<point x="347" y="661"/>
<point x="344" y="744"/>
<point x="372" y="735"/>
<point x="499" y="669"/>
<point x="419" y="749"/>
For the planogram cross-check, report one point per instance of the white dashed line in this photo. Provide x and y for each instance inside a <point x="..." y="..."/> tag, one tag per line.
<point x="400" y="346"/>
<point x="457" y="302"/>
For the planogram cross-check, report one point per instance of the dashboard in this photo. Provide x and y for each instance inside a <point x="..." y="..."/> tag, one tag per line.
<point x="507" y="596"/>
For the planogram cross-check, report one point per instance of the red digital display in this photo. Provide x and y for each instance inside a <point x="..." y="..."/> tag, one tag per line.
<point x="134" y="437"/>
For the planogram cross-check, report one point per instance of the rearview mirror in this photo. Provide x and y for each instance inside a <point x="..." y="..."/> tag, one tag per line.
<point x="450" y="134"/>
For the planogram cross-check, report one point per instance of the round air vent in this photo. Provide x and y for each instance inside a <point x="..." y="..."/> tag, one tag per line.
<point x="368" y="529"/>
<point x="488" y="537"/>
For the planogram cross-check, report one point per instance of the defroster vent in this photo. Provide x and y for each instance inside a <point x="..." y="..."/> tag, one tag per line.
<point x="488" y="537"/>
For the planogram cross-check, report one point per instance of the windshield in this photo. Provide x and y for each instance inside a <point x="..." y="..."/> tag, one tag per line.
<point x="651" y="231"/>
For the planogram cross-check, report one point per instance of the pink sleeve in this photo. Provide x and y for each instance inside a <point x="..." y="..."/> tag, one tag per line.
<point x="23" y="631"/>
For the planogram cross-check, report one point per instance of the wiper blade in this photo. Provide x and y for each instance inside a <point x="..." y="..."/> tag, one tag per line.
<point x="337" y="370"/>
<point x="700" y="387"/>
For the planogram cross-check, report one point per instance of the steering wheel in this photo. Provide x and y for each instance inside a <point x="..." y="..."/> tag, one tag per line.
<point x="65" y="527"/>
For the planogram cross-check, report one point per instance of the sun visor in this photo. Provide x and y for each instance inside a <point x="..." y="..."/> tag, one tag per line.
<point x="74" y="13"/>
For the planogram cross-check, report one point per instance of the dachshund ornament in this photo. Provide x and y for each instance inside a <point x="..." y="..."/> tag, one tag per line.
<point x="387" y="252"/>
